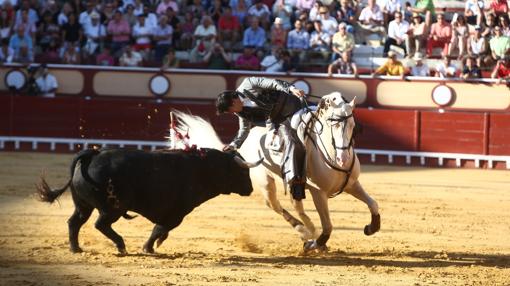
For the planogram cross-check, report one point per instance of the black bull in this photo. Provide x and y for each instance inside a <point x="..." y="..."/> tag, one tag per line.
<point x="162" y="186"/>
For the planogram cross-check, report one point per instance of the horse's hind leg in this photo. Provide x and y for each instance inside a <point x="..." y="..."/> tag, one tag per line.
<point x="81" y="214"/>
<point x="104" y="225"/>
<point x="358" y="192"/>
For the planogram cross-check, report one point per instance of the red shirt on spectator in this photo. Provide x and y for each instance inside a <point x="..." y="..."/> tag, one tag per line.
<point x="230" y="23"/>
<point x="503" y="71"/>
<point x="121" y="31"/>
<point x="248" y="62"/>
<point x="499" y="7"/>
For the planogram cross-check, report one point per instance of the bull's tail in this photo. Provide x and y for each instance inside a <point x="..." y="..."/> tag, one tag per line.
<point x="46" y="194"/>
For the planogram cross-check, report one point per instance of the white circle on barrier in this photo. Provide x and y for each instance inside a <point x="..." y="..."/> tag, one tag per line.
<point x="442" y="95"/>
<point x="159" y="85"/>
<point x="16" y="79"/>
<point x="301" y="84"/>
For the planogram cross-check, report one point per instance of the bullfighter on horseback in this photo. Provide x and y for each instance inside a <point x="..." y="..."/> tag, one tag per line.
<point x="258" y="101"/>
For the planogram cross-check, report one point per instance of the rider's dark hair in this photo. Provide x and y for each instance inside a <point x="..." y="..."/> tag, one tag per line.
<point x="224" y="100"/>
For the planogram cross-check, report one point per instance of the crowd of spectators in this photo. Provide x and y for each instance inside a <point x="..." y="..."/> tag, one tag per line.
<point x="268" y="35"/>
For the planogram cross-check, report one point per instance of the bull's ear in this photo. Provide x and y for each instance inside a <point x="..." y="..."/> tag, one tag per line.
<point x="353" y="102"/>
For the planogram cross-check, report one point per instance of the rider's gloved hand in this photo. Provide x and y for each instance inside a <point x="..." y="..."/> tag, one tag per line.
<point x="229" y="148"/>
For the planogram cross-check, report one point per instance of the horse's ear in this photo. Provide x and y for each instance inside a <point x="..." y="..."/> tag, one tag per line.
<point x="353" y="102"/>
<point x="323" y="102"/>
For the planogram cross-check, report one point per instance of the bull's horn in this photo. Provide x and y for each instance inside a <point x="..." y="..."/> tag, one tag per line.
<point x="247" y="165"/>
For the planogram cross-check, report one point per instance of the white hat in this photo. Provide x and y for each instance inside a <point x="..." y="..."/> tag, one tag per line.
<point x="418" y="56"/>
<point x="391" y="54"/>
<point x="278" y="21"/>
<point x="95" y="15"/>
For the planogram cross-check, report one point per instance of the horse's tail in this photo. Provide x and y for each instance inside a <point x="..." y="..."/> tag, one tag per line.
<point x="46" y="194"/>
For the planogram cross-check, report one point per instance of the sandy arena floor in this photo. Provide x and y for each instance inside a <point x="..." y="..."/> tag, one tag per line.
<point x="439" y="227"/>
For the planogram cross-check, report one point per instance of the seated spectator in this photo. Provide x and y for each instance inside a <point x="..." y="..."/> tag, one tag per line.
<point x="498" y="7"/>
<point x="415" y="42"/>
<point x="370" y="22"/>
<point x="5" y="25"/>
<point x="217" y="58"/>
<point x="95" y="32"/>
<point x="85" y="16"/>
<point x="392" y="67"/>
<point x="260" y="11"/>
<point x="187" y="29"/>
<point x="283" y="10"/>
<point x="389" y="8"/>
<point x="139" y="6"/>
<point x="304" y="5"/>
<point x="72" y="55"/>
<point x="196" y="9"/>
<point x="502" y="70"/>
<point x="46" y="82"/>
<point x="47" y="32"/>
<point x="504" y="25"/>
<point x="489" y="25"/>
<point x="424" y="8"/>
<point x="150" y="17"/>
<point x="328" y="23"/>
<point x="25" y="22"/>
<point x="347" y="14"/>
<point x="165" y="4"/>
<point x="254" y="36"/>
<point x="298" y="42"/>
<point x="440" y="35"/>
<point x="446" y="68"/>
<point x="397" y="33"/>
<point x="320" y="41"/>
<point x="419" y="68"/>
<point x="105" y="57"/>
<point x="240" y="10"/>
<point x="71" y="32"/>
<point x="342" y="41"/>
<point x="162" y="36"/>
<point x="477" y="46"/>
<point x="272" y="62"/>
<point x="500" y="45"/>
<point x="216" y="10"/>
<point x="288" y="64"/>
<point x="170" y="61"/>
<point x="174" y="21"/>
<point x="314" y="13"/>
<point x="120" y="31"/>
<point x="470" y="69"/>
<point x="22" y="46"/>
<point x="247" y="61"/>
<point x="278" y="34"/>
<point x="343" y="65"/>
<point x="228" y="29"/>
<point x="473" y="12"/>
<point x="204" y="37"/>
<point x="6" y="52"/>
<point x="129" y="15"/>
<point x="460" y="33"/>
<point x="142" y="33"/>
<point x="130" y="58"/>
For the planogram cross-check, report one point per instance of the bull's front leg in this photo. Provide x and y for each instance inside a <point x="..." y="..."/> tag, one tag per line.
<point x="159" y="233"/>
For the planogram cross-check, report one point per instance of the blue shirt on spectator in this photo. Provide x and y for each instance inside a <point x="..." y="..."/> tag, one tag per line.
<point x="298" y="40"/>
<point x="16" y="43"/>
<point x="255" y="38"/>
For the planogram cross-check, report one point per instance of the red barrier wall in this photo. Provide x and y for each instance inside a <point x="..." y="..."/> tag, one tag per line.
<point x="5" y="115"/>
<point x="499" y="134"/>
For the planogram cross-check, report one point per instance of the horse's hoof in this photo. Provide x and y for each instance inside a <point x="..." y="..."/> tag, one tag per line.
<point x="149" y="250"/>
<point x="122" y="251"/>
<point x="322" y="248"/>
<point x="310" y="245"/>
<point x="374" y="225"/>
<point x="76" y="250"/>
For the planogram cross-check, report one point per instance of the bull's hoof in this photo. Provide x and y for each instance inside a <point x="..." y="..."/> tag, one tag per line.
<point x="76" y="249"/>
<point x="374" y="226"/>
<point x="122" y="251"/>
<point x="147" y="249"/>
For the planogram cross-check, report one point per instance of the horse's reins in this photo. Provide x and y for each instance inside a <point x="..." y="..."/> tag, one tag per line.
<point x="328" y="159"/>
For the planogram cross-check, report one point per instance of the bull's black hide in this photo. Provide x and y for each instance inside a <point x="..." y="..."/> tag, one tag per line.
<point x="163" y="186"/>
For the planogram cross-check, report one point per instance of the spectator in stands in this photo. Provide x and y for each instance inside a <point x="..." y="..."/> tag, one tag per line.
<point x="416" y="36"/>
<point x="389" y="8"/>
<point x="46" y="82"/>
<point x="490" y="24"/>
<point x="370" y="22"/>
<point x="278" y="34"/>
<point x="505" y="25"/>
<point x="215" y="11"/>
<point x="477" y="46"/>
<point x="84" y="18"/>
<point x="105" y="57"/>
<point x="288" y="63"/>
<point x="500" y="45"/>
<point x="473" y="12"/>
<point x="273" y="62"/>
<point x="95" y="32"/>
<point x="247" y="61"/>
<point x="283" y="10"/>
<point x="174" y="21"/>
<point x="196" y="9"/>
<point x="419" y="68"/>
<point x="320" y="42"/>
<point x="187" y="30"/>
<point x="22" y="46"/>
<point x="165" y="4"/>
<point x="298" y="42"/>
<point x="162" y="36"/>
<point x="397" y="33"/>
<point x="343" y="65"/>
<point x="217" y="58"/>
<point x="150" y="17"/>
<point x="261" y="12"/>
<point x="424" y="8"/>
<point x="6" y="52"/>
<point x="130" y="58"/>
<point x="391" y="67"/>
<point x="130" y="16"/>
<point x="445" y="68"/>
<point x="28" y="25"/>
<point x="142" y="34"/>
<point x="304" y="5"/>
<point x="120" y="31"/>
<point x="170" y="60"/>
<point x="254" y="36"/>
<point x="72" y="55"/>
<point x="33" y="17"/>
<point x="440" y="35"/>
<point x="107" y="13"/>
<point x="139" y="7"/>
<point x="71" y="32"/>
<point x="328" y="23"/>
<point x="460" y="34"/>
<point x="502" y="70"/>
<point x="204" y="37"/>
<point x="240" y="10"/>
<point x="47" y="32"/>
<point x="470" y="70"/>
<point x="6" y="23"/>
<point x="498" y="7"/>
<point x="228" y="29"/>
<point x="342" y="41"/>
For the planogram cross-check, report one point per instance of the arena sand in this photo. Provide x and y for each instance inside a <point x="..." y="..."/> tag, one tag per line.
<point x="439" y="227"/>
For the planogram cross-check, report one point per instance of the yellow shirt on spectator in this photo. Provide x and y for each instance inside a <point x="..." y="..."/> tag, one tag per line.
<point x="390" y="68"/>
<point x="343" y="43"/>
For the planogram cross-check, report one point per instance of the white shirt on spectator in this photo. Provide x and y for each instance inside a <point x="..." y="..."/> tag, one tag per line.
<point x="151" y="20"/>
<point x="422" y="70"/>
<point x="391" y="6"/>
<point x="471" y="5"/>
<point x="202" y="31"/>
<point x="477" y="45"/>
<point x="85" y="18"/>
<point x="13" y="2"/>
<point x="62" y="19"/>
<point x="133" y="61"/>
<point x="445" y="71"/>
<point x="47" y="83"/>
<point x="253" y="11"/>
<point x="92" y="31"/>
<point x="6" y="58"/>
<point x="367" y="14"/>
<point x="271" y="64"/>
<point x="329" y="25"/>
<point x="398" y="30"/>
<point x="144" y="31"/>
<point x="166" y="31"/>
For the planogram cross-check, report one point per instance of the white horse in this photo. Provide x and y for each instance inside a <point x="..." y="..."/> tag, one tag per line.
<point x="332" y="165"/>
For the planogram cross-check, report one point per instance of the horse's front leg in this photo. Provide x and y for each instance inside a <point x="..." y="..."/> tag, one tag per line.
<point x="320" y="199"/>
<point x="359" y="193"/>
